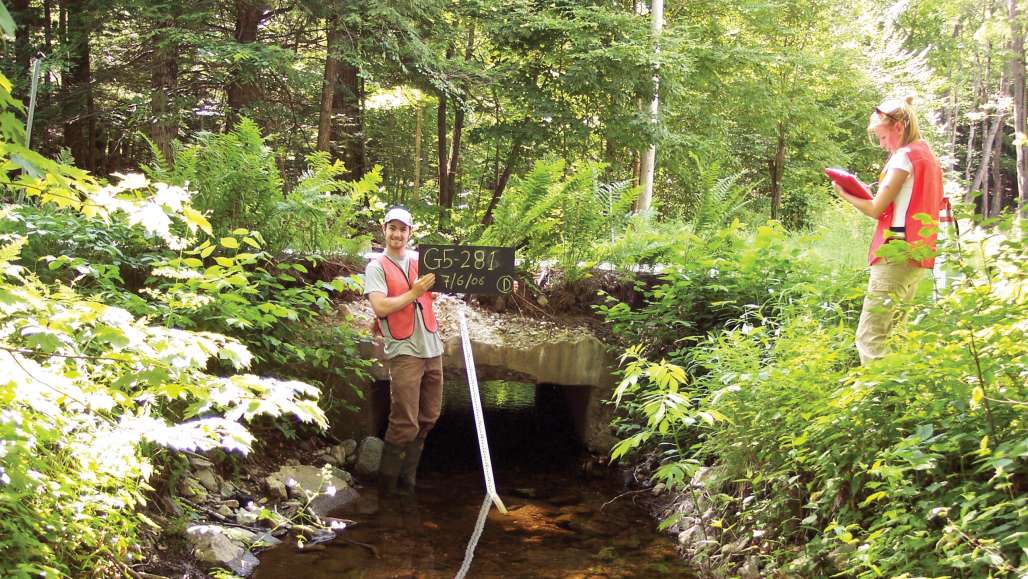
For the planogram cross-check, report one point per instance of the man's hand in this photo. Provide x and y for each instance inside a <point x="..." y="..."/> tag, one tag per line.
<point x="423" y="284"/>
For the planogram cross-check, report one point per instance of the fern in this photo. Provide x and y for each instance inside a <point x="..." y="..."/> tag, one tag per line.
<point x="558" y="214"/>
<point x="524" y="216"/>
<point x="719" y="204"/>
<point x="592" y="212"/>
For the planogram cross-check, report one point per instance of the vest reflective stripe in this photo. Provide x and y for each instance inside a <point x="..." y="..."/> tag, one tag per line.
<point x="401" y="322"/>
<point x="926" y="197"/>
<point x="946" y="212"/>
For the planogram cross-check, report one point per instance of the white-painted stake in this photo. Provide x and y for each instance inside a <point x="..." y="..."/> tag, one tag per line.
<point x="476" y="406"/>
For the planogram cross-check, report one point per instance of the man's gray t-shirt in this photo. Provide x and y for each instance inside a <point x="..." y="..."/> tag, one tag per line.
<point x="422" y="343"/>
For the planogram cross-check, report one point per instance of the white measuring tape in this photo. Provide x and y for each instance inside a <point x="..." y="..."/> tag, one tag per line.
<point x="469" y="552"/>
<point x="476" y="405"/>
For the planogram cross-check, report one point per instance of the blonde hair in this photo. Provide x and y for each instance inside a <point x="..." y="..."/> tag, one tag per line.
<point x="894" y="111"/>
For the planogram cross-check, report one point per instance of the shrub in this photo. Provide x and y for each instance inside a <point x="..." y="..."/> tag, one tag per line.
<point x="238" y="186"/>
<point x="912" y="466"/>
<point x="726" y="278"/>
<point x="558" y="214"/>
<point x="90" y="393"/>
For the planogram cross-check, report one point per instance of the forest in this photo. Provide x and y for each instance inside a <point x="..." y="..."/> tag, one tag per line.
<point x="174" y="175"/>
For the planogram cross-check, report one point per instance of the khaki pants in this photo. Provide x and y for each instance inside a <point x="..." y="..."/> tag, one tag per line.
<point x="416" y="397"/>
<point x="890" y="284"/>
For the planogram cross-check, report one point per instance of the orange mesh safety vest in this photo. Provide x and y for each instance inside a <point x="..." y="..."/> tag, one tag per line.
<point x="926" y="197"/>
<point x="401" y="322"/>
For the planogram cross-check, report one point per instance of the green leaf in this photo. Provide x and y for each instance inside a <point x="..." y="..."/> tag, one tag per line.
<point x="977" y="395"/>
<point x="196" y="218"/>
<point x="6" y="27"/>
<point x="229" y="242"/>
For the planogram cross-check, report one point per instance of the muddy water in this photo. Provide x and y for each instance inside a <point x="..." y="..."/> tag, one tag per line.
<point x="559" y="523"/>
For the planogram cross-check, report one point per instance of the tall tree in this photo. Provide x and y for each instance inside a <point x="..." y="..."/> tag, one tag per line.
<point x="164" y="78"/>
<point x="649" y="158"/>
<point x="243" y="88"/>
<point x="328" y="84"/>
<point x="80" y="129"/>
<point x="348" y="116"/>
<point x="1017" y="63"/>
<point x="24" y="21"/>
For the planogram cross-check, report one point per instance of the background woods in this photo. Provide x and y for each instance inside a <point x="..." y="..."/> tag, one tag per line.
<point x="453" y="98"/>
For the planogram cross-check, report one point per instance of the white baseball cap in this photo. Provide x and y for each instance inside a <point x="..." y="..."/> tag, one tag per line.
<point x="399" y="214"/>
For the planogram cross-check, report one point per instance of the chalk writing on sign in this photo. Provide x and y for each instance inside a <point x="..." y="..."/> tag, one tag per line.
<point x="468" y="269"/>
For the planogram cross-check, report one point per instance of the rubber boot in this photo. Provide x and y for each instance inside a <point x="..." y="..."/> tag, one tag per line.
<point x="389" y="468"/>
<point x="409" y="469"/>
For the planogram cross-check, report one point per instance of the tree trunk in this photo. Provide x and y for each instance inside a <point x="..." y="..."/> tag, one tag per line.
<point x="444" y="197"/>
<point x="62" y="22"/>
<point x="649" y="160"/>
<point x="776" y="168"/>
<point x="451" y="171"/>
<point x="998" y="186"/>
<point x="979" y="179"/>
<point x="23" y="21"/>
<point x="48" y="32"/>
<point x="80" y="129"/>
<point x="243" y="89"/>
<point x="1017" y="79"/>
<point x="349" y="122"/>
<point x="970" y="147"/>
<point x="418" y="128"/>
<point x="501" y="183"/>
<point x="328" y="86"/>
<point x="164" y="79"/>
<point x="458" y="128"/>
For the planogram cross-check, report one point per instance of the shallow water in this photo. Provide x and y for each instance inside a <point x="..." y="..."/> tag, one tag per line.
<point x="558" y="524"/>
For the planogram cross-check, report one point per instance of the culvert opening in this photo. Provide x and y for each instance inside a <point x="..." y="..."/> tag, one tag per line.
<point x="531" y="427"/>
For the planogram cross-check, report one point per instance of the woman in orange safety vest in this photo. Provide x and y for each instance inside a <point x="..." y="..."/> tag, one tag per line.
<point x="910" y="194"/>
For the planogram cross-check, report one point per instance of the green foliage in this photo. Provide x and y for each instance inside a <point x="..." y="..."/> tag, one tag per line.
<point x="322" y="212"/>
<point x="523" y="219"/>
<point x="234" y="176"/>
<point x="560" y="214"/>
<point x="94" y="394"/>
<point x="265" y="303"/>
<point x="911" y="466"/>
<point x="239" y="186"/>
<point x="589" y="212"/>
<point x="730" y="276"/>
<point x="89" y="392"/>
<point x="644" y="243"/>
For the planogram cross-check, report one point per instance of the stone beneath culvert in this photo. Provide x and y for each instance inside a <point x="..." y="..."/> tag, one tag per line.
<point x="212" y="545"/>
<point x="369" y="456"/>
<point x="325" y="487"/>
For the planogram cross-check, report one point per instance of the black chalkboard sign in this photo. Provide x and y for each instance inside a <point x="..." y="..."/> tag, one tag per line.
<point x="468" y="269"/>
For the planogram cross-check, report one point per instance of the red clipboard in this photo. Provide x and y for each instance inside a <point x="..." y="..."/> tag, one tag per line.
<point x="849" y="183"/>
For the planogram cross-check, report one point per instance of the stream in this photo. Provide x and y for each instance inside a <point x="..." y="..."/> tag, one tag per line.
<point x="560" y="523"/>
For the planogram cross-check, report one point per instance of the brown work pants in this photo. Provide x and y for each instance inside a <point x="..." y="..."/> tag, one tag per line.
<point x="890" y="284"/>
<point x="416" y="397"/>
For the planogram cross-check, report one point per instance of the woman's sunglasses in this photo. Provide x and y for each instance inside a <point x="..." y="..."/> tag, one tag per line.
<point x="891" y="116"/>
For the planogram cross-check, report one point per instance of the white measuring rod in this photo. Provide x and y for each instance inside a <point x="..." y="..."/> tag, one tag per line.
<point x="476" y="405"/>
